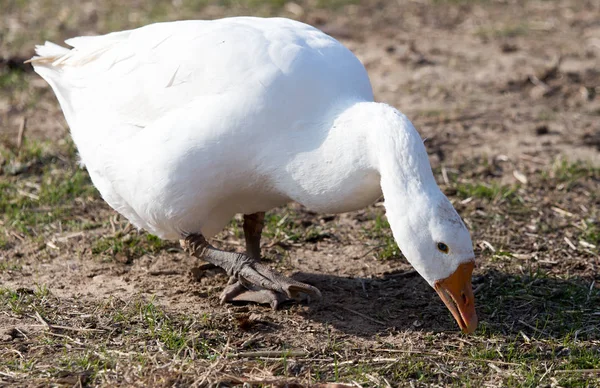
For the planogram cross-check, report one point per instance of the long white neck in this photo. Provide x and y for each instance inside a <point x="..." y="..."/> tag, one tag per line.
<point x="407" y="182"/>
<point x="367" y="149"/>
<point x="394" y="149"/>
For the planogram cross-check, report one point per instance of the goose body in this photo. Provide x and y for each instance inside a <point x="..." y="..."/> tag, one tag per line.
<point x="182" y="125"/>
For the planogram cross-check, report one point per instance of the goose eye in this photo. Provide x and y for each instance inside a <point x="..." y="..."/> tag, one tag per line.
<point x="442" y="247"/>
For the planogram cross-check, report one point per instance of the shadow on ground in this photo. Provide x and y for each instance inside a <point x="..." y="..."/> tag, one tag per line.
<point x="533" y="305"/>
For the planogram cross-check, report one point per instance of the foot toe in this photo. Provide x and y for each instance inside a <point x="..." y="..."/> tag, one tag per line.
<point x="294" y="289"/>
<point x="231" y="291"/>
<point x="237" y="292"/>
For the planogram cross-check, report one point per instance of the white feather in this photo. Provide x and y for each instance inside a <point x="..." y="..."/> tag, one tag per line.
<point x="50" y="49"/>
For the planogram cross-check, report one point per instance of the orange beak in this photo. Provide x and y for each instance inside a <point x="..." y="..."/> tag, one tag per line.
<point x="457" y="293"/>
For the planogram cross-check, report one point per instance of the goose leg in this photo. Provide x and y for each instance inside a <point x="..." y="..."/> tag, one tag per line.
<point x="240" y="290"/>
<point x="253" y="226"/>
<point x="252" y="281"/>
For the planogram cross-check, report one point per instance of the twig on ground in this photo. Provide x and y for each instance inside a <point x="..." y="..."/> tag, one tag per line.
<point x="478" y="288"/>
<point x="404" y="274"/>
<point x="442" y="354"/>
<point x="269" y="353"/>
<point x="16" y="351"/>
<point x="364" y="316"/>
<point x="82" y="329"/>
<point x="164" y="273"/>
<point x="535" y="328"/>
<point x="21" y="133"/>
<point x="28" y="195"/>
<point x="50" y="327"/>
<point x="42" y="321"/>
<point x="66" y="337"/>
<point x="445" y="176"/>
<point x="22" y="333"/>
<point x="562" y="212"/>
<point x="570" y="244"/>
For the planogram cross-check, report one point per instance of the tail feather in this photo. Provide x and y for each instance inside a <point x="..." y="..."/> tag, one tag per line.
<point x="85" y="50"/>
<point x="48" y="53"/>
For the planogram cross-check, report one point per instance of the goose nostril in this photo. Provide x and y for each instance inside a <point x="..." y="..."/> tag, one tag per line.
<point x="464" y="297"/>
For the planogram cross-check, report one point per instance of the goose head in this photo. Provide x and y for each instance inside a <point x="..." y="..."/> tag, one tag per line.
<point x="425" y="225"/>
<point x="437" y="244"/>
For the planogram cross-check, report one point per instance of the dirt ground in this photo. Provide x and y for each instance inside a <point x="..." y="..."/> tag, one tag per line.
<point x="506" y="94"/>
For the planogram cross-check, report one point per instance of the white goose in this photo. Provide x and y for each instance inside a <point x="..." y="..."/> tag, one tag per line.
<point x="182" y="125"/>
